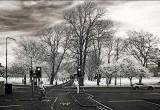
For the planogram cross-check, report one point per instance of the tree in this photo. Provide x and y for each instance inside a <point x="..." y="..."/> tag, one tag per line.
<point x="130" y="67"/>
<point x="109" y="47"/>
<point x="82" y="20"/>
<point x="91" y="65"/>
<point x="102" y="32"/>
<point x="48" y="48"/>
<point x="140" y="44"/>
<point x="55" y="39"/>
<point x="109" y="71"/>
<point x="28" y="48"/>
<point x="18" y="69"/>
<point x="118" y="48"/>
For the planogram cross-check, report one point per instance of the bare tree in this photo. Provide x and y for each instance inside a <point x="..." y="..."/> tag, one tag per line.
<point x="92" y="64"/>
<point x="118" y="48"/>
<point x="140" y="44"/>
<point x="82" y="20"/>
<point x="103" y="32"/>
<point x="109" y="47"/>
<point x="18" y="69"/>
<point x="28" y="48"/>
<point x="56" y="41"/>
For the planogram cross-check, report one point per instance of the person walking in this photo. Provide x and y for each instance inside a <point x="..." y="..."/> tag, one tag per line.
<point x="42" y="90"/>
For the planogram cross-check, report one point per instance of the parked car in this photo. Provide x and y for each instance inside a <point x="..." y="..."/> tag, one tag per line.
<point x="137" y="86"/>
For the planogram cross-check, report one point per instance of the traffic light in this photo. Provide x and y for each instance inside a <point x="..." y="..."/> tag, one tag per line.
<point x="38" y="72"/>
<point x="79" y="72"/>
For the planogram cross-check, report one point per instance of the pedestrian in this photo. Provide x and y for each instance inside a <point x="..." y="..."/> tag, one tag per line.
<point x="42" y="90"/>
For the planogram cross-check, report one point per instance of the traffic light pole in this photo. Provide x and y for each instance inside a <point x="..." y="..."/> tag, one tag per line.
<point x="32" y="80"/>
<point x="6" y="57"/>
<point x="6" y="61"/>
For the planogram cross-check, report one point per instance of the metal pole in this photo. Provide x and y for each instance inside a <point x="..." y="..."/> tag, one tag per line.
<point x="32" y="78"/>
<point x="120" y="79"/>
<point x="6" y="57"/>
<point x="6" y="61"/>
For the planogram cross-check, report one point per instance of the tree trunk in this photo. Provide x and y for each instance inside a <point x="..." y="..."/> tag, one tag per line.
<point x="115" y="80"/>
<point x="52" y="79"/>
<point x="89" y="78"/>
<point x="25" y="79"/>
<point x="107" y="82"/>
<point x="130" y="81"/>
<point x="110" y="79"/>
<point x="98" y="80"/>
<point x="140" y="79"/>
<point x="108" y="58"/>
<point x="52" y="75"/>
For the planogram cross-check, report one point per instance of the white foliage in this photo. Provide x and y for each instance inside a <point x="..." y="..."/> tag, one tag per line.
<point x="62" y="75"/>
<point x="125" y="67"/>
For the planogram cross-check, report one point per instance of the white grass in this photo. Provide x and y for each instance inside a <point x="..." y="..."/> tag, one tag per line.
<point x="124" y="81"/>
<point x="18" y="80"/>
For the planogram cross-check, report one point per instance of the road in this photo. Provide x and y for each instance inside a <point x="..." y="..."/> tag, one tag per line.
<point x="91" y="98"/>
<point x="126" y="98"/>
<point x="107" y="98"/>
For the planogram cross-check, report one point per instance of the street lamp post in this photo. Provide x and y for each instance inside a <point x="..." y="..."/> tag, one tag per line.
<point x="32" y="78"/>
<point x="6" y="56"/>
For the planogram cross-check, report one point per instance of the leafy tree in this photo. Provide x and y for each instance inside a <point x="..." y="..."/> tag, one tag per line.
<point x="130" y="68"/>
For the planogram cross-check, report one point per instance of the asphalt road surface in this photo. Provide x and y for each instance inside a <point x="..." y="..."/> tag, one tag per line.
<point x="126" y="98"/>
<point x="90" y="98"/>
<point x="106" y="99"/>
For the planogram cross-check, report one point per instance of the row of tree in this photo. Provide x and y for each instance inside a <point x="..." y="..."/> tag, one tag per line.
<point x="85" y="39"/>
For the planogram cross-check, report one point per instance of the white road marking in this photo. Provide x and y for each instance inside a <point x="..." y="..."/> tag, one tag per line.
<point x="54" y="102"/>
<point x="101" y="104"/>
<point x="11" y="106"/>
<point x="91" y="97"/>
<point x="125" y="101"/>
<point x="153" y="103"/>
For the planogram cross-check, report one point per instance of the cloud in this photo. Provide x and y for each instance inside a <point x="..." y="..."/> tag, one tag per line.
<point x="137" y="15"/>
<point x="29" y="15"/>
